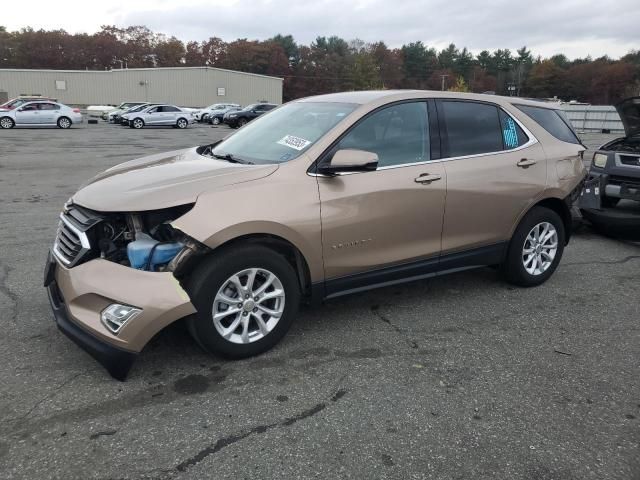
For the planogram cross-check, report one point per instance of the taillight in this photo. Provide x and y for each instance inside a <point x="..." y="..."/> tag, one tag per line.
<point x="76" y="110"/>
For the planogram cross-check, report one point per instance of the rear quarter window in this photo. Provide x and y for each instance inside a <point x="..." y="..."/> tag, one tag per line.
<point x="552" y="121"/>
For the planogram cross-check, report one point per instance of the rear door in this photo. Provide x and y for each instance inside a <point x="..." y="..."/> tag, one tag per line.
<point x="170" y="114"/>
<point x="384" y="225"/>
<point x="495" y="171"/>
<point x="48" y="112"/>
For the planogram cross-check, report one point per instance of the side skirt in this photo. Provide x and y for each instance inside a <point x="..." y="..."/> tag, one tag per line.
<point x="409" y="272"/>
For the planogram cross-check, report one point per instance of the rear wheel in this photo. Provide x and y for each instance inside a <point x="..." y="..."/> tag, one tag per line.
<point x="246" y="300"/>
<point x="242" y="122"/>
<point x="137" y="123"/>
<point x="535" y="248"/>
<point x="215" y="121"/>
<point x="182" y="123"/>
<point x="64" y="122"/>
<point x="6" y="122"/>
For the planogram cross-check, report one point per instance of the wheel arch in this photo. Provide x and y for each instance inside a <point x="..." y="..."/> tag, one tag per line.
<point x="557" y="205"/>
<point x="279" y="244"/>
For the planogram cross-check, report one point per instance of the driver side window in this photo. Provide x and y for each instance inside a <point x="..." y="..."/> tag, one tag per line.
<point x="398" y="134"/>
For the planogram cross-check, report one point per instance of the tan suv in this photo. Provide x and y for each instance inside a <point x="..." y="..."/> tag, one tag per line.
<point x="321" y="197"/>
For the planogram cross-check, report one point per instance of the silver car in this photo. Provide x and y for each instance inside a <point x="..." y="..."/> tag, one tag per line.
<point x="41" y="114"/>
<point x="159" y="115"/>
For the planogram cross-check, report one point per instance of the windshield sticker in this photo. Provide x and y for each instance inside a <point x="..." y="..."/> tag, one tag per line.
<point x="286" y="156"/>
<point x="510" y="134"/>
<point x="296" y="143"/>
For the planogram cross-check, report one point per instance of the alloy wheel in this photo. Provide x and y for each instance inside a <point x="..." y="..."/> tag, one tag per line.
<point x="539" y="249"/>
<point x="137" y="123"/>
<point x="248" y="305"/>
<point x="6" y="122"/>
<point x="64" y="123"/>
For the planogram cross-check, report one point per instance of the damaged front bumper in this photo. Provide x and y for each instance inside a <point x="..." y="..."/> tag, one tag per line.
<point x="80" y="294"/>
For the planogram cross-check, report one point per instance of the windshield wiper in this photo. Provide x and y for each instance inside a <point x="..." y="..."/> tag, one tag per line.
<point x="230" y="158"/>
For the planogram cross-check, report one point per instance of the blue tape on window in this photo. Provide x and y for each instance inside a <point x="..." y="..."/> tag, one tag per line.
<point x="510" y="134"/>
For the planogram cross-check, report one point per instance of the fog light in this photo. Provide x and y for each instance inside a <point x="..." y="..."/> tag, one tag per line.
<point x="600" y="160"/>
<point x="115" y="316"/>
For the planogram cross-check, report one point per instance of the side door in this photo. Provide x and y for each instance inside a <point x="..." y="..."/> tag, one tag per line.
<point x="153" y="116"/>
<point x="28" y="114"/>
<point x="170" y="114"/>
<point x="48" y="112"/>
<point x="495" y="171"/>
<point x="384" y="225"/>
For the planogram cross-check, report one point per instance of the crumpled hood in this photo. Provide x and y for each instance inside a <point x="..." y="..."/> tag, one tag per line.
<point x="629" y="111"/>
<point x="163" y="180"/>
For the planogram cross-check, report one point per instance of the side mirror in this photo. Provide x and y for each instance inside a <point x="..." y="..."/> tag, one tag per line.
<point x="348" y="160"/>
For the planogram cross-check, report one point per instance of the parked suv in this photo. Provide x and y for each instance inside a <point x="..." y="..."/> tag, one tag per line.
<point x="216" y="116"/>
<point x="322" y="197"/>
<point x="240" y="118"/>
<point x="204" y="114"/>
<point x="616" y="165"/>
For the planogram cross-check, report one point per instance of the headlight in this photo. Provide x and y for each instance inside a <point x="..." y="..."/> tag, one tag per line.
<point x="115" y="316"/>
<point x="232" y="115"/>
<point x="600" y="160"/>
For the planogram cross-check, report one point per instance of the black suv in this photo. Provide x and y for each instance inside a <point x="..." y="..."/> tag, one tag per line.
<point x="615" y="170"/>
<point x="242" y="117"/>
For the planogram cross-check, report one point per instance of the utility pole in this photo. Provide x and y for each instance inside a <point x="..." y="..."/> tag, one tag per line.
<point x="443" y="79"/>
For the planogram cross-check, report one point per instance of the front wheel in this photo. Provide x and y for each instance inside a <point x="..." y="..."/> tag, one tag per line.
<point x="535" y="248"/>
<point x="242" y="122"/>
<point x="215" y="121"/>
<point x="246" y="300"/>
<point x="182" y="123"/>
<point x="64" y="123"/>
<point x="138" y="123"/>
<point x="6" y="122"/>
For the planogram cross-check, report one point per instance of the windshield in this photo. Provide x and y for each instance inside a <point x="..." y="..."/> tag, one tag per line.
<point x="284" y="133"/>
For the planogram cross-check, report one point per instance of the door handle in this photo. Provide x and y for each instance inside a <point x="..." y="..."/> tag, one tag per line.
<point x="426" y="178"/>
<point x="525" y="163"/>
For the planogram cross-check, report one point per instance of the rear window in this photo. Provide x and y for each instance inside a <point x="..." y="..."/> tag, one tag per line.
<point x="472" y="128"/>
<point x="552" y="121"/>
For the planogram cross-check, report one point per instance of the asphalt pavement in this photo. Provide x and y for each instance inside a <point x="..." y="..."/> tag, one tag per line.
<point x="459" y="377"/>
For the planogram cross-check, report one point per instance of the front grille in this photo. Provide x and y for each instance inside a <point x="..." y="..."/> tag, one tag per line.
<point x="630" y="160"/>
<point x="632" y="182"/>
<point x="72" y="243"/>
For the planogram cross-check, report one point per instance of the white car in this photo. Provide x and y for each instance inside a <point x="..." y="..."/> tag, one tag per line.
<point x="204" y="114"/>
<point x="113" y="115"/>
<point x="157" y="115"/>
<point x="41" y="113"/>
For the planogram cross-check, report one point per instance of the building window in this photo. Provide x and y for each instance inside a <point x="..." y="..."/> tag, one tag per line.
<point x="61" y="84"/>
<point x="222" y="91"/>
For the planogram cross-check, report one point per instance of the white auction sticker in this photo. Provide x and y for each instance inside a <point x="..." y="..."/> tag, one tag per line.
<point x="296" y="143"/>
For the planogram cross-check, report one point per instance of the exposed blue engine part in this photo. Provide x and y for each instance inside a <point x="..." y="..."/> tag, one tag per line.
<point x="145" y="253"/>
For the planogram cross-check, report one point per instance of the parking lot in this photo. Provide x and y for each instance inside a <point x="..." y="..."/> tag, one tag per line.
<point x="459" y="377"/>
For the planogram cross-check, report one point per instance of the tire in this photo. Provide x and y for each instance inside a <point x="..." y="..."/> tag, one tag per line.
<point x="522" y="270"/>
<point x="204" y="118"/>
<point x="136" y="123"/>
<point x="64" y="123"/>
<point x="212" y="279"/>
<point x="609" y="202"/>
<point x="242" y="122"/>
<point x="6" y="122"/>
<point x="215" y="121"/>
<point x="182" y="123"/>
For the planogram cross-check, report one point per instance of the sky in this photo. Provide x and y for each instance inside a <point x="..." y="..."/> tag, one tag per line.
<point x="576" y="28"/>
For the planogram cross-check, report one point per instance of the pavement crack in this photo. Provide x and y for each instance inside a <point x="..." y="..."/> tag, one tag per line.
<point x="376" y="311"/>
<point x="49" y="396"/>
<point x="260" y="429"/>
<point x="5" y="290"/>
<point x="605" y="262"/>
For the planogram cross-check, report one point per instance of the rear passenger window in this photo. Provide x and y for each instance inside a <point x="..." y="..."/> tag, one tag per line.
<point x="471" y="128"/>
<point x="512" y="135"/>
<point x="552" y="122"/>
